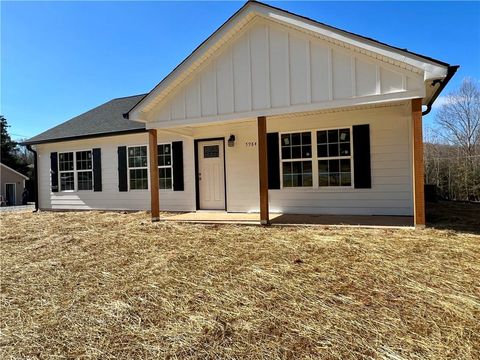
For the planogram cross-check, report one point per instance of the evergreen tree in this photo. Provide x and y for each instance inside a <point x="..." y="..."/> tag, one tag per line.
<point x="9" y="149"/>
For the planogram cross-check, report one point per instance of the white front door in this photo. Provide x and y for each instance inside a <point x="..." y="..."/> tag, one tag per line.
<point x="211" y="175"/>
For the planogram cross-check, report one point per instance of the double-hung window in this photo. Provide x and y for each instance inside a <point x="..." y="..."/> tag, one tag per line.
<point x="165" y="166"/>
<point x="66" y="169"/>
<point x="331" y="159"/>
<point x="84" y="170"/>
<point x="75" y="168"/>
<point x="334" y="157"/>
<point x="296" y="153"/>
<point x="138" y="167"/>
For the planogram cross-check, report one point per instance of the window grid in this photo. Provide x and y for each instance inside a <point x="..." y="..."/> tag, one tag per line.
<point x="75" y="170"/>
<point x="165" y="180"/>
<point x="84" y="168"/>
<point x="66" y="169"/>
<point x="138" y="167"/>
<point x="296" y="152"/>
<point x="333" y="156"/>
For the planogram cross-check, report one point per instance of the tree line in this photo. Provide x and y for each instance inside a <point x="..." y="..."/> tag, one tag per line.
<point x="13" y="154"/>
<point x="452" y="145"/>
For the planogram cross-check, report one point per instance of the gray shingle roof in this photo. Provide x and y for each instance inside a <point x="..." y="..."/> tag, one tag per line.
<point x="103" y="120"/>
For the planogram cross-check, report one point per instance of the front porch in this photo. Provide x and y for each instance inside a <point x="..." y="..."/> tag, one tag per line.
<point x="222" y="217"/>
<point x="248" y="186"/>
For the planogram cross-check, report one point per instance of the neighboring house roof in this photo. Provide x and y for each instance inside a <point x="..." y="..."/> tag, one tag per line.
<point x="104" y="120"/>
<point x="14" y="171"/>
<point x="434" y="69"/>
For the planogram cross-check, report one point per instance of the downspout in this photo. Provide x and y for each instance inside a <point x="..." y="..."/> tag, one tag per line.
<point x="35" y="156"/>
<point x="450" y="72"/>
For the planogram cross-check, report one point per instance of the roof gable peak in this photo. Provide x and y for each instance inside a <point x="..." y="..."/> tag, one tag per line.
<point x="252" y="10"/>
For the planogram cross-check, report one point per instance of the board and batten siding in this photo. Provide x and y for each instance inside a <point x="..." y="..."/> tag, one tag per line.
<point x="276" y="69"/>
<point x="110" y="198"/>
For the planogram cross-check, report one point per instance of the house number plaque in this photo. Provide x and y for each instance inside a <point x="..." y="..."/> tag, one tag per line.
<point x="250" y="144"/>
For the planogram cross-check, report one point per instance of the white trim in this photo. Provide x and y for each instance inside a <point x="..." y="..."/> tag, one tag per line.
<point x="166" y="166"/>
<point x="142" y="167"/>
<point x="325" y="105"/>
<point x="75" y="171"/>
<point x="315" y="158"/>
<point x="295" y="160"/>
<point x="14" y="193"/>
<point x="14" y="171"/>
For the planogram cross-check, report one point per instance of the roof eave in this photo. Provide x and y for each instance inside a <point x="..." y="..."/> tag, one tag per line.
<point x="15" y="171"/>
<point x="82" y="137"/>
<point x="450" y="73"/>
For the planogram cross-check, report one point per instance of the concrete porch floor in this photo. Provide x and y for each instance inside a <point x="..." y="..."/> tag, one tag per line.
<point x="222" y="217"/>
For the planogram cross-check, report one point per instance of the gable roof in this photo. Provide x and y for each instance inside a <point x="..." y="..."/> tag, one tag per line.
<point x="103" y="120"/>
<point x="14" y="171"/>
<point x="433" y="68"/>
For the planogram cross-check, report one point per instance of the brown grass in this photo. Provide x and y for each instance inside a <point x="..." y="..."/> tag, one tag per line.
<point x="110" y="285"/>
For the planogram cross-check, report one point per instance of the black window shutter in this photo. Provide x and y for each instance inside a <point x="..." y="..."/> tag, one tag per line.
<point x="361" y="157"/>
<point x="273" y="161"/>
<point x="54" y="171"/>
<point x="97" y="169"/>
<point x="177" y="155"/>
<point x="122" y="168"/>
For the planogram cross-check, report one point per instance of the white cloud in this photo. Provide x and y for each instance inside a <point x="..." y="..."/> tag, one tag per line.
<point x="441" y="100"/>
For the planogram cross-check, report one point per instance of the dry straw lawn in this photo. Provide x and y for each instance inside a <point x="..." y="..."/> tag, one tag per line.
<point x="110" y="285"/>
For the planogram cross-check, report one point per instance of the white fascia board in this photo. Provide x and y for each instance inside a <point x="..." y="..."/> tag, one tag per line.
<point x="138" y="115"/>
<point x="367" y="100"/>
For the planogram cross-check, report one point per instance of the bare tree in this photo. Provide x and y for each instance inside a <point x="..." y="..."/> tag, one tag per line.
<point x="459" y="117"/>
<point x="454" y="163"/>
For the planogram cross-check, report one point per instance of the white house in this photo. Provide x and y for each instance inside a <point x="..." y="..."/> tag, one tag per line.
<point x="274" y="112"/>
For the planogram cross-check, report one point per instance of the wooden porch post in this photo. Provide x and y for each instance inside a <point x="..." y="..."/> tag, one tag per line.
<point x="263" y="169"/>
<point x="418" y="170"/>
<point x="154" y="193"/>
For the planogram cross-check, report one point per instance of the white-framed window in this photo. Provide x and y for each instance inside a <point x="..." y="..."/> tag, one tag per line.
<point x="327" y="153"/>
<point x="334" y="154"/>
<point x="137" y="167"/>
<point x="165" y="163"/>
<point x="66" y="170"/>
<point x="84" y="169"/>
<point x="296" y="158"/>
<point x="75" y="170"/>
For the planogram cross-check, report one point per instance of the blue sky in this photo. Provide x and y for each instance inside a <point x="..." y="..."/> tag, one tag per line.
<point x="59" y="59"/>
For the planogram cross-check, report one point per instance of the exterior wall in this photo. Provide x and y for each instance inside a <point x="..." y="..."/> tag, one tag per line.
<point x="110" y="198"/>
<point x="8" y="177"/>
<point x="275" y="69"/>
<point x="391" y="192"/>
<point x="391" y="166"/>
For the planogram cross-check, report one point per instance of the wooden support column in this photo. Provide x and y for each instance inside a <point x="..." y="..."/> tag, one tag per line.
<point x="263" y="169"/>
<point x="418" y="170"/>
<point x="153" y="160"/>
